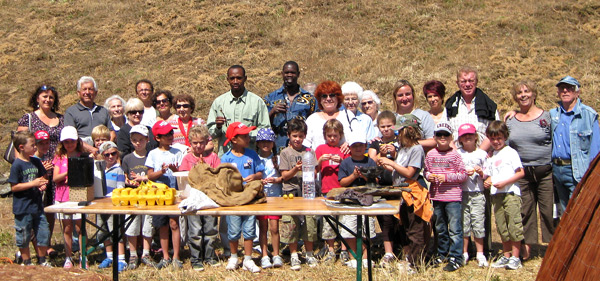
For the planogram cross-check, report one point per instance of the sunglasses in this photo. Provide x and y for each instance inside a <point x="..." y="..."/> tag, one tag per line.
<point x="366" y="102"/>
<point x="46" y="88"/>
<point x="324" y="96"/>
<point x="185" y="105"/>
<point x="442" y="134"/>
<point x="134" y="112"/>
<point x="162" y="101"/>
<point x="108" y="154"/>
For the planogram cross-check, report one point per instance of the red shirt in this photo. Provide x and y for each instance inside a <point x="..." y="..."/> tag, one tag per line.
<point x="329" y="169"/>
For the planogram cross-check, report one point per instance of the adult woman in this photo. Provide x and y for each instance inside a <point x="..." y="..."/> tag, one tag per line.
<point x="434" y="92"/>
<point x="44" y="102"/>
<point x="404" y="98"/>
<point x="369" y="104"/>
<point x="531" y="136"/>
<point x="353" y="120"/>
<point x="114" y="104"/>
<point x="163" y="101"/>
<point x="330" y="98"/>
<point x="184" y="105"/>
<point x="134" y="109"/>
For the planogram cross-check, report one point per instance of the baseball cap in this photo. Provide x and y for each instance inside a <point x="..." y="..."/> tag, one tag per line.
<point x="106" y="146"/>
<point x="161" y="128"/>
<point x="406" y="120"/>
<point x="443" y="127"/>
<point x="140" y="129"/>
<point x="355" y="138"/>
<point x="466" y="128"/>
<point x="265" y="134"/>
<point x="569" y="80"/>
<point x="41" y="135"/>
<point x="237" y="128"/>
<point x="68" y="133"/>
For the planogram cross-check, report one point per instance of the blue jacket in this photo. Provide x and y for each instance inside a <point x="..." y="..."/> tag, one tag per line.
<point x="584" y="136"/>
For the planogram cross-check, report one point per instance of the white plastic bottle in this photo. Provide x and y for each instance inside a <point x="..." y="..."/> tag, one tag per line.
<point x="308" y="175"/>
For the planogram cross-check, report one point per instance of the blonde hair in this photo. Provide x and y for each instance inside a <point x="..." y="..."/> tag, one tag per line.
<point x="198" y="131"/>
<point x="100" y="131"/>
<point x="333" y="124"/>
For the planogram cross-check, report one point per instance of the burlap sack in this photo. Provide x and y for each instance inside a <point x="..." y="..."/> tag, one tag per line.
<point x="224" y="185"/>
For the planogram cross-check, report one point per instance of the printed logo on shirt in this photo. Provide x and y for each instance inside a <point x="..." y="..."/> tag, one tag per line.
<point x="248" y="164"/>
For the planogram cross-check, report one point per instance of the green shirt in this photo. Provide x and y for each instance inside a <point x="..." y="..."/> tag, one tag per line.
<point x="249" y="109"/>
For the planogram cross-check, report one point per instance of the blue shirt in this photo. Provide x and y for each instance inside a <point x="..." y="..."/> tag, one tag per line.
<point x="561" y="147"/>
<point x="115" y="178"/>
<point x="247" y="164"/>
<point x="303" y="105"/>
<point x="28" y="201"/>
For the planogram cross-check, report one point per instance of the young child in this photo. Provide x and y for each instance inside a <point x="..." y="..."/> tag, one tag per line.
<point x="445" y="170"/>
<point x="329" y="156"/>
<point x="265" y="141"/>
<point x="386" y="147"/>
<point x="503" y="170"/>
<point x="27" y="181"/>
<point x="473" y="200"/>
<point x="135" y="170"/>
<point x="42" y="141"/>
<point x="115" y="178"/>
<point x="250" y="167"/>
<point x="406" y="168"/>
<point x="202" y="230"/>
<point x="350" y="175"/>
<point x="100" y="134"/>
<point x="162" y="162"/>
<point x="70" y="146"/>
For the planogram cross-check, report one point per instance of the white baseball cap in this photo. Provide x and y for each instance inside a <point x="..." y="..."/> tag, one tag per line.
<point x="68" y="133"/>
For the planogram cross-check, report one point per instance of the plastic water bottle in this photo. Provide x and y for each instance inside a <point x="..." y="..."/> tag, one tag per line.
<point x="308" y="175"/>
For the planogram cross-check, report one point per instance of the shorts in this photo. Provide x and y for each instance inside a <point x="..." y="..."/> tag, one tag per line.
<point x="238" y="225"/>
<point x="327" y="233"/>
<point x="294" y="228"/>
<point x="62" y="216"/>
<point x="507" y="211"/>
<point x="473" y="214"/>
<point x="260" y="218"/>
<point x="140" y="222"/>
<point x="106" y="226"/>
<point x="159" y="221"/>
<point x="350" y="221"/>
<point x="28" y="224"/>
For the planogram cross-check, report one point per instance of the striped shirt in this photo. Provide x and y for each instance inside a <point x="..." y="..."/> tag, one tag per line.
<point x="115" y="178"/>
<point x="450" y="164"/>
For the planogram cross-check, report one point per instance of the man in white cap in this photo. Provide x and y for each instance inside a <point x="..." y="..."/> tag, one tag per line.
<point x="575" y="138"/>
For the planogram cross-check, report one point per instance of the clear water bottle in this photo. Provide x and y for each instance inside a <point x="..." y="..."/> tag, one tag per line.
<point x="308" y="175"/>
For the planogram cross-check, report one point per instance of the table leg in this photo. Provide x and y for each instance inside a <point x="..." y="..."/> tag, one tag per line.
<point x="368" y="247"/>
<point x="83" y="249"/>
<point x="115" y="236"/>
<point x="359" y="251"/>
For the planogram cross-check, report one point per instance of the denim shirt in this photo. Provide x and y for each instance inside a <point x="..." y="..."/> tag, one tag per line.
<point x="584" y="136"/>
<point x="303" y="105"/>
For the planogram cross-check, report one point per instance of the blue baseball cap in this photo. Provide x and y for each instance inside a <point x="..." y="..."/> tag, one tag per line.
<point x="265" y="134"/>
<point x="569" y="80"/>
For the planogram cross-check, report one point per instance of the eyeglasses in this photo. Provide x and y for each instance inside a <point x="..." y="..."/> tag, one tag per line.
<point x="46" y="88"/>
<point x="162" y="101"/>
<point x="108" y="154"/>
<point x="185" y="105"/>
<point x="134" y="112"/>
<point x="366" y="102"/>
<point x="324" y="96"/>
<point x="442" y="134"/>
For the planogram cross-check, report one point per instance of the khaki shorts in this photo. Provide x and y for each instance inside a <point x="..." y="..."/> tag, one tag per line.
<point x="507" y="211"/>
<point x="292" y="228"/>
<point x="473" y="213"/>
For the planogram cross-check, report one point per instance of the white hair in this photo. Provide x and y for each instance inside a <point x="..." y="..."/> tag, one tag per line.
<point x="133" y="104"/>
<point x="369" y="93"/>
<point x="86" y="79"/>
<point x="109" y="99"/>
<point x="351" y="88"/>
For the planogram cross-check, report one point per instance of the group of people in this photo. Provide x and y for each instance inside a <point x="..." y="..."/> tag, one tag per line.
<point x="458" y="158"/>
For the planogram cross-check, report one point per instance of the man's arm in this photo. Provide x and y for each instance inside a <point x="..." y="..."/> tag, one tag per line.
<point x="595" y="144"/>
<point x="215" y="130"/>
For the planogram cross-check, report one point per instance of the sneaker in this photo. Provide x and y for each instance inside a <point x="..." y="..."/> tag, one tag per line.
<point x="251" y="266"/>
<point x="121" y="266"/>
<point x="232" y="264"/>
<point x="351" y="263"/>
<point x="277" y="262"/>
<point x="163" y="263"/>
<point x="68" y="263"/>
<point x="45" y="264"/>
<point x="405" y="267"/>
<point x="51" y="253"/>
<point x="106" y="263"/>
<point x="501" y="262"/>
<point x="18" y="258"/>
<point x="295" y="263"/>
<point x="312" y="261"/>
<point x="132" y="264"/>
<point x="386" y="260"/>
<point x="452" y="265"/>
<point x="465" y="259"/>
<point x="482" y="261"/>
<point x="514" y="263"/>
<point x="265" y="262"/>
<point x="213" y="263"/>
<point x="329" y="258"/>
<point x="437" y="262"/>
<point x="344" y="257"/>
<point x="257" y="249"/>
<point x="177" y="264"/>
<point x="26" y="262"/>
<point x="147" y="260"/>
<point x="198" y="266"/>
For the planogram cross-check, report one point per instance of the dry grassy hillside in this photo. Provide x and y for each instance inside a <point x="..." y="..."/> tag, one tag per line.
<point x="186" y="46"/>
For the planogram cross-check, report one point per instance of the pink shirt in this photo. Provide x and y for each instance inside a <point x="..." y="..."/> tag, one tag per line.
<point x="450" y="164"/>
<point x="61" y="193"/>
<point x="189" y="160"/>
<point x="329" y="169"/>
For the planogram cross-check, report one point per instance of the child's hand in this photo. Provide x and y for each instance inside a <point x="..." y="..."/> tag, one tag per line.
<point x="324" y="157"/>
<point x="487" y="183"/>
<point x="470" y="172"/>
<point x="441" y="178"/>
<point x="164" y="168"/>
<point x="478" y="170"/>
<point x="357" y="174"/>
<point x="386" y="163"/>
<point x="48" y="165"/>
<point x="336" y="158"/>
<point x="500" y="184"/>
<point x="173" y="167"/>
<point x="249" y="178"/>
<point x="298" y="165"/>
<point x="40" y="182"/>
<point x="271" y="180"/>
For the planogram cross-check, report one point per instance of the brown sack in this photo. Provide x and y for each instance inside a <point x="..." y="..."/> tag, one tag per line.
<point x="224" y="185"/>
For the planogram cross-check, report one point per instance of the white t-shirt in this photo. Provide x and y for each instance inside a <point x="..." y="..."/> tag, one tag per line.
<point x="474" y="183"/>
<point x="501" y="166"/>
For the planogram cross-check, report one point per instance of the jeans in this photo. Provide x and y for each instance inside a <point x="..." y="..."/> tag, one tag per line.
<point x="26" y="224"/>
<point x="236" y="225"/>
<point x="202" y="233"/>
<point x="564" y="183"/>
<point x="449" y="228"/>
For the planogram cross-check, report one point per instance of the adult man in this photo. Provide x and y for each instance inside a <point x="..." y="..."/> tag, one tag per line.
<point x="86" y="114"/>
<point x="288" y="102"/>
<point x="145" y="90"/>
<point x="471" y="105"/>
<point x="575" y="138"/>
<point x="237" y="105"/>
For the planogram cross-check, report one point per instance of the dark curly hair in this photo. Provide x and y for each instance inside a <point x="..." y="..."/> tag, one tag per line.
<point x="43" y="88"/>
<point x="185" y="98"/>
<point x="158" y="93"/>
<point x="329" y="87"/>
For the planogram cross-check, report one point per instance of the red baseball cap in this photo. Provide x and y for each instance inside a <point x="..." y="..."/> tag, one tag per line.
<point x="466" y="128"/>
<point x="41" y="135"/>
<point x="237" y="128"/>
<point x="161" y="128"/>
